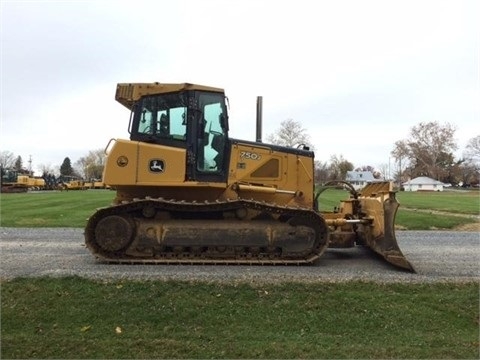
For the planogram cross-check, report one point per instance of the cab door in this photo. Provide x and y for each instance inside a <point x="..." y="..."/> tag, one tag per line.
<point x="211" y="146"/>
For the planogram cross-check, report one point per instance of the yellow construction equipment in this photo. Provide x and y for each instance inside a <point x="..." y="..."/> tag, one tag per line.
<point x="71" y="183"/>
<point x="15" y="181"/>
<point x="188" y="193"/>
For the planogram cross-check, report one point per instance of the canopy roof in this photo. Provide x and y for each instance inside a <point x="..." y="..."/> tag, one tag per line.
<point x="129" y="93"/>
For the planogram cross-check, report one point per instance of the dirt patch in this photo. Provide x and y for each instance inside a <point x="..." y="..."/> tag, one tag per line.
<point x="469" y="227"/>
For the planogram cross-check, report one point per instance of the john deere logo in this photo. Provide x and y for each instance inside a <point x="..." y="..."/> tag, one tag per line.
<point x="157" y="166"/>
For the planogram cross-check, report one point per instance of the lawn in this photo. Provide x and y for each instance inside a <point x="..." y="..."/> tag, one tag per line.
<point x="460" y="202"/>
<point x="78" y="318"/>
<point x="418" y="211"/>
<point x="52" y="208"/>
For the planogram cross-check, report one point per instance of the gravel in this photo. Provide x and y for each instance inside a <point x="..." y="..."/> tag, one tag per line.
<point x="437" y="256"/>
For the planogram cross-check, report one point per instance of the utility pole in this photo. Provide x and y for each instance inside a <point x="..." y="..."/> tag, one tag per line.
<point x="389" y="171"/>
<point x="30" y="165"/>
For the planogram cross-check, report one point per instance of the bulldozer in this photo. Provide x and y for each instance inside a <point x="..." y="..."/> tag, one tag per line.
<point x="187" y="193"/>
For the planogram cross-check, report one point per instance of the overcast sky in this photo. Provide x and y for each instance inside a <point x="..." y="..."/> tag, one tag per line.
<point x="358" y="75"/>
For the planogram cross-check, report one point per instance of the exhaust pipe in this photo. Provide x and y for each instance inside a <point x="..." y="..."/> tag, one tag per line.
<point x="259" y="118"/>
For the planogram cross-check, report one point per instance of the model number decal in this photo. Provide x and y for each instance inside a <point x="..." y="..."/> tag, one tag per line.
<point x="250" y="155"/>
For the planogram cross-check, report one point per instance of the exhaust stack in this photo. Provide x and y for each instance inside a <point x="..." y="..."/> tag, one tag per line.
<point x="259" y="118"/>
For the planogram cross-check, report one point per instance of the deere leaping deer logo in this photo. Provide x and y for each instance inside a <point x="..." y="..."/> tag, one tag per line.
<point x="157" y="166"/>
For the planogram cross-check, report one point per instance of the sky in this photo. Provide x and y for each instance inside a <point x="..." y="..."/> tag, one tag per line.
<point x="357" y="75"/>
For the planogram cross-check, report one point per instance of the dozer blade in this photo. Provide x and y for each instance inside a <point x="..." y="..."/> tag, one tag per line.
<point x="384" y="242"/>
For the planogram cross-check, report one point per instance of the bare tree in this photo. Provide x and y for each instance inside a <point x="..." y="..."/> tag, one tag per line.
<point x="91" y="165"/>
<point x="48" y="169"/>
<point x="468" y="174"/>
<point x="384" y="172"/>
<point x="7" y="159"/>
<point x="472" y="151"/>
<point x="339" y="167"/>
<point x="428" y="149"/>
<point x="291" y="133"/>
<point x="365" y="168"/>
<point x="402" y="161"/>
<point x="321" y="172"/>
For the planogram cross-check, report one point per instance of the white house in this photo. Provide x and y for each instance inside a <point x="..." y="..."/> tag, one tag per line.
<point x="359" y="178"/>
<point x="423" y="183"/>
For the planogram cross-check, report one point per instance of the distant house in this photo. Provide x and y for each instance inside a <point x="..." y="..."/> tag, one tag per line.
<point x="423" y="183"/>
<point x="359" y="178"/>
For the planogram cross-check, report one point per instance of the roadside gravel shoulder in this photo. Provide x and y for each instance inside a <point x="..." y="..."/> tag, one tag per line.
<point x="437" y="256"/>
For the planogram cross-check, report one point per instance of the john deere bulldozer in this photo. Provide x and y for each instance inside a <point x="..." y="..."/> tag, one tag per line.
<point x="188" y="193"/>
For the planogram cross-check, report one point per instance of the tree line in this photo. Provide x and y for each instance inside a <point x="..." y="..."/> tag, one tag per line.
<point x="428" y="151"/>
<point x="88" y="167"/>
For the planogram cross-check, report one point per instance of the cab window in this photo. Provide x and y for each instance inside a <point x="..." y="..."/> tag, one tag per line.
<point x="162" y="117"/>
<point x="213" y="123"/>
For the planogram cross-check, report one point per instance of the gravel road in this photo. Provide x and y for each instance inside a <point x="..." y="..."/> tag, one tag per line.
<point x="436" y="255"/>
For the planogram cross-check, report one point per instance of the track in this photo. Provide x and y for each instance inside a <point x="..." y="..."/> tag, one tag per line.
<point x="437" y="256"/>
<point x="159" y="231"/>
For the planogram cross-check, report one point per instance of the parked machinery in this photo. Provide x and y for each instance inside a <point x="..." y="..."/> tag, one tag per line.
<point x="10" y="183"/>
<point x="14" y="181"/>
<point x="71" y="183"/>
<point x="188" y="193"/>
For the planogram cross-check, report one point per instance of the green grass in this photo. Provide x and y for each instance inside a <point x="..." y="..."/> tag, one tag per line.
<point x="78" y="318"/>
<point x="72" y="208"/>
<point x="52" y="209"/>
<point x="437" y="210"/>
<point x="410" y="219"/>
<point x="330" y="198"/>
<point x="461" y="202"/>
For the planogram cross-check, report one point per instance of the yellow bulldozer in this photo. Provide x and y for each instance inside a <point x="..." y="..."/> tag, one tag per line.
<point x="188" y="193"/>
<point x="67" y="182"/>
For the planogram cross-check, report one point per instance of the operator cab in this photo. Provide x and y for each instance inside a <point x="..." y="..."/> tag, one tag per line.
<point x="196" y="120"/>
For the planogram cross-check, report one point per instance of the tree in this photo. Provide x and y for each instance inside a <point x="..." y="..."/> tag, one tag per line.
<point x="400" y="154"/>
<point x="472" y="151"/>
<point x="291" y="133"/>
<point x="66" y="167"/>
<point x="47" y="169"/>
<point x="18" y="164"/>
<point x="321" y="172"/>
<point x="7" y="159"/>
<point x="384" y="172"/>
<point x="428" y="150"/>
<point x="468" y="174"/>
<point x="91" y="165"/>
<point x="339" y="167"/>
